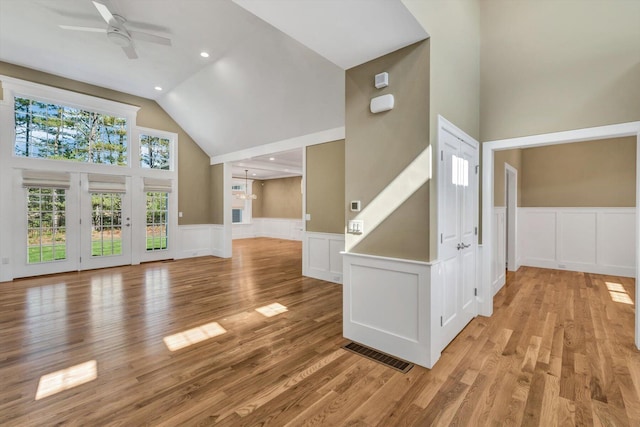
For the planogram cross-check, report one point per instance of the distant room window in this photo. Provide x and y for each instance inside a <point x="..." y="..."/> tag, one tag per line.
<point x="155" y="152"/>
<point x="236" y="216"/>
<point x="53" y="131"/>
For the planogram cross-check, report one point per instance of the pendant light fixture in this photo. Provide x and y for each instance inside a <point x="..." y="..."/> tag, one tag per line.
<point x="245" y="195"/>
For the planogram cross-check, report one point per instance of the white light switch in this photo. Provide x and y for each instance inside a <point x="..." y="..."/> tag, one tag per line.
<point x="355" y="226"/>
<point x="179" y="214"/>
<point x="307" y="217"/>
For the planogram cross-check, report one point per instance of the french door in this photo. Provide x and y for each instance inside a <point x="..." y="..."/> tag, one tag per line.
<point x="105" y="221"/>
<point x="458" y="241"/>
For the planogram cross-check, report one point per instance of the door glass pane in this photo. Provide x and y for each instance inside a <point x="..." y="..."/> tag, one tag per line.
<point x="46" y="227"/>
<point x="106" y="224"/>
<point x="157" y="221"/>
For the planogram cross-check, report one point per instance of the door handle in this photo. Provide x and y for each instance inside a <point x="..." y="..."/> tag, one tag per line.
<point x="128" y="225"/>
<point x="463" y="246"/>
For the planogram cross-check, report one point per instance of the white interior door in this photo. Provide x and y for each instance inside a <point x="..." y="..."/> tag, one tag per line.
<point x="458" y="239"/>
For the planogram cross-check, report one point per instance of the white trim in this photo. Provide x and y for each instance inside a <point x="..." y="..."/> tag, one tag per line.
<point x="13" y="86"/>
<point x="384" y="258"/>
<point x="511" y="218"/>
<point x="588" y="134"/>
<point x="284" y="145"/>
<point x="227" y="245"/>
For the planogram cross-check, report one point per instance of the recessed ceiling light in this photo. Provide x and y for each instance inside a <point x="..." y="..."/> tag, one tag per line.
<point x="158" y="88"/>
<point x="272" y="158"/>
<point x="204" y="54"/>
<point x="253" y="174"/>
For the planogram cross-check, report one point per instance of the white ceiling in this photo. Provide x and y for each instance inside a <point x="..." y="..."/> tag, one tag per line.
<point x="259" y="85"/>
<point x="277" y="165"/>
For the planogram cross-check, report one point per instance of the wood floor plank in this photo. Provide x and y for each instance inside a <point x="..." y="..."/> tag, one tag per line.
<point x="558" y="350"/>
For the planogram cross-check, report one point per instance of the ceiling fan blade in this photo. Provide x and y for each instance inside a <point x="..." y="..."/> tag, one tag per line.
<point x="130" y="51"/>
<point x="89" y="29"/>
<point x="152" y="38"/>
<point x="105" y="13"/>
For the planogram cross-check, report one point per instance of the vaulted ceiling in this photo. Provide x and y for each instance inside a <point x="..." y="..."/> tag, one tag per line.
<point x="275" y="68"/>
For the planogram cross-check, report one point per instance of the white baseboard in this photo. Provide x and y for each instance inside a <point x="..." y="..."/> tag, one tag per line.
<point x="321" y="256"/>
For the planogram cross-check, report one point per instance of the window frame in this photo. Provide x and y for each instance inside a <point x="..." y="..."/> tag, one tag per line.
<point x="15" y="88"/>
<point x="171" y="136"/>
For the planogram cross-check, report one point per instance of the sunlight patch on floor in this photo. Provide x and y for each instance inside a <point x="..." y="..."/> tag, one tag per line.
<point x="193" y="336"/>
<point x="618" y="293"/>
<point x="65" y="379"/>
<point x="272" y="309"/>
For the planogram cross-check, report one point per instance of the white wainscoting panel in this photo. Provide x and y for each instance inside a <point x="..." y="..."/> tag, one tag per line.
<point x="276" y="228"/>
<point x="194" y="240"/>
<point x="321" y="256"/>
<point x="387" y="305"/>
<point x="498" y="272"/>
<point x="592" y="240"/>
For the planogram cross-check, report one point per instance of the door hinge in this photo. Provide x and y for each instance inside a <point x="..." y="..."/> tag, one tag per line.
<point x="475" y="292"/>
<point x="476" y="231"/>
<point x="441" y="155"/>
<point x="477" y="169"/>
<point x="80" y="221"/>
<point x="440" y="320"/>
<point x="80" y="259"/>
<point x="441" y="238"/>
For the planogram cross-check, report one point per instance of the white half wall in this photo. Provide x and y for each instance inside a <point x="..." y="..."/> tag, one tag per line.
<point x="498" y="271"/>
<point x="276" y="228"/>
<point x="322" y="257"/>
<point x="200" y="240"/>
<point x="591" y="240"/>
<point x="388" y="305"/>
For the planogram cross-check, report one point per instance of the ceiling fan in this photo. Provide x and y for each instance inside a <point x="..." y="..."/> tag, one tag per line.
<point x="118" y="33"/>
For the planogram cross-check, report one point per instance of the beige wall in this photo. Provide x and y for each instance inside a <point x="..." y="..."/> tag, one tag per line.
<point x="325" y="187"/>
<point x="281" y="198"/>
<point x="549" y="66"/>
<point x="217" y="194"/>
<point x="514" y="159"/>
<point x="256" y="205"/>
<point x="454" y="29"/>
<point x="584" y="174"/>
<point x="380" y="146"/>
<point x="193" y="163"/>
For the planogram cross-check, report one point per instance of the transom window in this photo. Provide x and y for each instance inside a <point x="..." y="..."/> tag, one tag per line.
<point x="55" y="131"/>
<point x="155" y="152"/>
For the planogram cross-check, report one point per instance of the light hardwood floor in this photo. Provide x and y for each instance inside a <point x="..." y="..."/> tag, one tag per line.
<point x="558" y="351"/>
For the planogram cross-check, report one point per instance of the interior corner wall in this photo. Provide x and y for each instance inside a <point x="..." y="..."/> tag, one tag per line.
<point x="556" y="66"/>
<point x="193" y="163"/>
<point x="256" y="205"/>
<point x="514" y="159"/>
<point x="379" y="147"/>
<point x="281" y="198"/>
<point x="454" y="29"/>
<point x="598" y="173"/>
<point x="217" y="194"/>
<point x="325" y="187"/>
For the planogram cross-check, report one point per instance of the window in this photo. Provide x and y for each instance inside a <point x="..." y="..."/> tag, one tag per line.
<point x="241" y="206"/>
<point x="46" y="228"/>
<point x="155" y="152"/>
<point x="157" y="234"/>
<point x="54" y="131"/>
